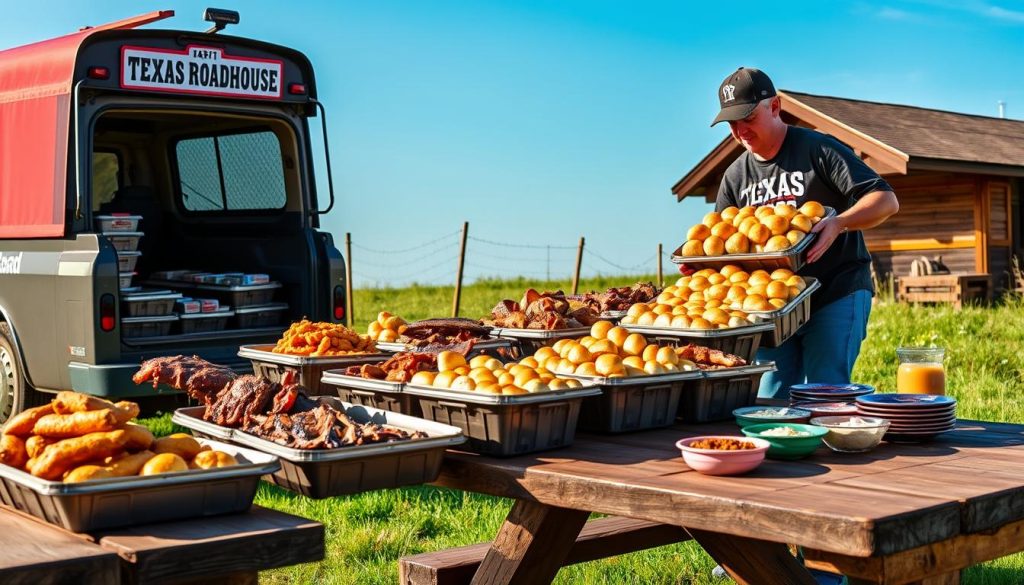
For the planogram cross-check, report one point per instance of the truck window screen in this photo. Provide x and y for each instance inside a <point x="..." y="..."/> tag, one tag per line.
<point x="231" y="172"/>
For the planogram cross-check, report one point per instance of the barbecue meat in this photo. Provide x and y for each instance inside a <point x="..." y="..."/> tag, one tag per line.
<point x="239" y="400"/>
<point x="548" y="311"/>
<point x="400" y="368"/>
<point x="705" y="356"/>
<point x="194" y="375"/>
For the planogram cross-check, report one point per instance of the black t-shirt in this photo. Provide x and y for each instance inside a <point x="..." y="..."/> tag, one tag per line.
<point x="811" y="166"/>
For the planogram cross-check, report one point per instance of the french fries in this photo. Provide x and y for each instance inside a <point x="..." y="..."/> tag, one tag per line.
<point x="322" y="339"/>
<point x="78" y="438"/>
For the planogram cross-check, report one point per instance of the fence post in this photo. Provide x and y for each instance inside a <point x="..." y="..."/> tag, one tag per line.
<point x="579" y="262"/>
<point x="661" y="276"/>
<point x="348" y="279"/>
<point x="458" y="278"/>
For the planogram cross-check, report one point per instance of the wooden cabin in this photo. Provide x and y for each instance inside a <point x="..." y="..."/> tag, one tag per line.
<point x="958" y="178"/>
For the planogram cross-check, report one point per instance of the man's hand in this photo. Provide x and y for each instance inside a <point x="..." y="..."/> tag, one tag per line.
<point x="828" y="230"/>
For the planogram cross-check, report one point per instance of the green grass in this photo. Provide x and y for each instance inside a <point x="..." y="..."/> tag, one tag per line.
<point x="367" y="533"/>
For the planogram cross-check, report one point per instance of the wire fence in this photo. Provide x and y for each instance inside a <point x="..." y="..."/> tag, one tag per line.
<point x="435" y="261"/>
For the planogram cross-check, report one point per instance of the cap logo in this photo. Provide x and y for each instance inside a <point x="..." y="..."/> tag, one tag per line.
<point x="728" y="93"/>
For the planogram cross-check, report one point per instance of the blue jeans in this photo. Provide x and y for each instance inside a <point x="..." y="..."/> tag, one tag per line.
<point x="823" y="350"/>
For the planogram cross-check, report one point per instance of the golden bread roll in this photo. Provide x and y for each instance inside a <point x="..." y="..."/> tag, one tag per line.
<point x="635" y="344"/>
<point x="777" y="303"/>
<point x="600" y="329"/>
<point x="129" y="465"/>
<point x="21" y="424"/>
<point x="86" y="473"/>
<point x="736" y="293"/>
<point x="776" y="244"/>
<point x="813" y="209"/>
<point x="681" y="321"/>
<point x="740" y="217"/>
<point x="777" y="224"/>
<point x="758" y="279"/>
<point x="13" y="451"/>
<point x="796" y="281"/>
<point x="777" y="290"/>
<point x="781" y="274"/>
<point x="61" y="456"/>
<point x="759" y="234"/>
<point x="756" y="303"/>
<point x="701" y="323"/>
<point x="729" y="212"/>
<point x="785" y="210"/>
<point x="737" y="244"/>
<point x="714" y="246"/>
<point x="76" y="424"/>
<point x="723" y="230"/>
<point x="536" y="385"/>
<point x="698" y="232"/>
<point x="423" y="378"/>
<point x="711" y="218"/>
<point x="608" y="364"/>
<point x="764" y="211"/>
<point x="698" y="284"/>
<point x="728" y="270"/>
<point x="747" y="223"/>
<point x="738" y="277"/>
<point x="449" y="360"/>
<point x="587" y="369"/>
<point x="693" y="248"/>
<point x="801" y="222"/>
<point x="794" y="236"/>
<point x="716" y="292"/>
<point x="513" y="391"/>
<point x="164" y="463"/>
<point x="214" y="459"/>
<point x="186" y="446"/>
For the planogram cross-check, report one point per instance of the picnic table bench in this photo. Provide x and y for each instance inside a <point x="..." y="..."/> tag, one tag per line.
<point x="219" y="549"/>
<point x="897" y="515"/>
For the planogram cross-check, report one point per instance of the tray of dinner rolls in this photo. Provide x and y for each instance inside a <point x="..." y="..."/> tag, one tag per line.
<point x="79" y="462"/>
<point x="782" y="246"/>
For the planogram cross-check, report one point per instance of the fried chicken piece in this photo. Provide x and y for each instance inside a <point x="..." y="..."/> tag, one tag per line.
<point x="704" y="355"/>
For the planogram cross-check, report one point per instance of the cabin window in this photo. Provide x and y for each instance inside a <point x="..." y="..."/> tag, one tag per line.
<point x="232" y="172"/>
<point x="106" y="171"/>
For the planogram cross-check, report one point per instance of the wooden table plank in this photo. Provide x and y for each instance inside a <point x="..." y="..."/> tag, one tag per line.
<point x="215" y="546"/>
<point x="35" y="553"/>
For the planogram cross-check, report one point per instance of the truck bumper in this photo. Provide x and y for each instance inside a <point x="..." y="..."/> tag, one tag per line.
<point x="111" y="380"/>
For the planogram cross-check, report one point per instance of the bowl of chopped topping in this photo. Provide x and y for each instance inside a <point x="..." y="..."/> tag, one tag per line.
<point x="722" y="455"/>
<point x="788" y="440"/>
<point x="756" y="415"/>
<point x="852" y="434"/>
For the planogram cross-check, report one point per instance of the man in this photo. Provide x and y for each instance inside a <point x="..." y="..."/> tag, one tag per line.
<point x="789" y="164"/>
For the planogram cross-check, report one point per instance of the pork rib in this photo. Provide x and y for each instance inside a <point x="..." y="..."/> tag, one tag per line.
<point x="194" y="375"/>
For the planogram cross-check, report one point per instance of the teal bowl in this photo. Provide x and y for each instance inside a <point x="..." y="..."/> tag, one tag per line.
<point x="759" y="415"/>
<point x="788" y="447"/>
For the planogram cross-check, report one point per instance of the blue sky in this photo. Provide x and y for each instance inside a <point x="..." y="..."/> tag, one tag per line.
<point x="542" y="121"/>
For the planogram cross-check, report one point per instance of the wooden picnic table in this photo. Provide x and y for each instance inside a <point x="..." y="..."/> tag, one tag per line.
<point x="218" y="549"/>
<point x="899" y="514"/>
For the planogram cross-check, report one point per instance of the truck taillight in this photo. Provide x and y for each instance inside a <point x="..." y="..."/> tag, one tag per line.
<point x="98" y="73"/>
<point x="296" y="89"/>
<point x="108" y="312"/>
<point x="339" y="303"/>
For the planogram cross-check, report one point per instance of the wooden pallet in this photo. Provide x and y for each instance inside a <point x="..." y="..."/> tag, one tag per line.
<point x="945" y="288"/>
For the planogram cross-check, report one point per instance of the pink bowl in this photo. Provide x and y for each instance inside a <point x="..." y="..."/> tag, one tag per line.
<point x="718" y="462"/>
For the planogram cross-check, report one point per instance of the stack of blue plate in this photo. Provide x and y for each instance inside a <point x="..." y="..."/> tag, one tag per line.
<point x="828" y="392"/>
<point x="913" y="417"/>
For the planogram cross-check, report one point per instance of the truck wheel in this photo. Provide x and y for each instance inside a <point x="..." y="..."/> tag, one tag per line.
<point x="13" y="389"/>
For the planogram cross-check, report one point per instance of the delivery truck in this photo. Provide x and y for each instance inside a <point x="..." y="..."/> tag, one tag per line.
<point x="157" y="197"/>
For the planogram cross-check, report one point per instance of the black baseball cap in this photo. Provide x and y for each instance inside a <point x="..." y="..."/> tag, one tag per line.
<point x="740" y="93"/>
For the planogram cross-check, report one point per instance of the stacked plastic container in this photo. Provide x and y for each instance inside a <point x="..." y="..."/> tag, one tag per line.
<point x="121" y="229"/>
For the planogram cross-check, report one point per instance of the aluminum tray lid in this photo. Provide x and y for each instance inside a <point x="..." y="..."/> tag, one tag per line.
<point x="261" y="308"/>
<point x="395" y="346"/>
<point x="128" y="253"/>
<point x="755" y="368"/>
<point x="155" y="319"/>
<point x="144" y="297"/>
<point x="120" y="235"/>
<point x="438" y="435"/>
<point x="708" y="333"/>
<point x="338" y="378"/>
<point x="796" y="250"/>
<point x="539" y="333"/>
<point x="813" y="285"/>
<point x="263" y="353"/>
<point x="191" y="417"/>
<point x="639" y="380"/>
<point x="251" y="462"/>
<point x="240" y="287"/>
<point x="465" y="396"/>
<point x="210" y="315"/>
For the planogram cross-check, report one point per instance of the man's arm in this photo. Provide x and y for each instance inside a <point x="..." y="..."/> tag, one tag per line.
<point x="869" y="211"/>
